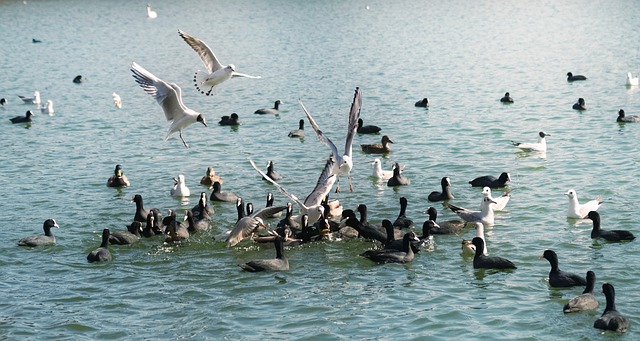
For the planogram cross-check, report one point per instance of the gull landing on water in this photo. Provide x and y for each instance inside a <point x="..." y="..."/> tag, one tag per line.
<point x="169" y="96"/>
<point x="312" y="205"/>
<point x="216" y="73"/>
<point x="342" y="163"/>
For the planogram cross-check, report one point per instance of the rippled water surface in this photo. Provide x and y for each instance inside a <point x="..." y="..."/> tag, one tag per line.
<point x="462" y="55"/>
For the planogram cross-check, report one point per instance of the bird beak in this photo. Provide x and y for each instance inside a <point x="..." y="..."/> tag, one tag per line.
<point x="56" y="225"/>
<point x="175" y="180"/>
<point x="205" y="124"/>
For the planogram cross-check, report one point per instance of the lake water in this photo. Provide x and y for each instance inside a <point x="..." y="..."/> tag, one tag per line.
<point x="462" y="55"/>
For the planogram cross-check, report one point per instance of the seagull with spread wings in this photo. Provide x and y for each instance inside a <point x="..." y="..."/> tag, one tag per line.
<point x="169" y="96"/>
<point x="312" y="205"/>
<point x="343" y="163"/>
<point x="216" y="73"/>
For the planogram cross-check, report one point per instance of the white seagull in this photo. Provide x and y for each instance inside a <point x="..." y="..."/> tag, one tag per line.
<point x="378" y="173"/>
<point x="312" y="205"/>
<point x="484" y="216"/>
<point x="48" y="108"/>
<point x="343" y="163"/>
<point x="216" y="73"/>
<point x="578" y="211"/>
<point x="180" y="189"/>
<point x="117" y="101"/>
<point x="631" y="81"/>
<point x="169" y="96"/>
<point x="500" y="202"/>
<point x="32" y="100"/>
<point x="540" y="146"/>
<point x="248" y="225"/>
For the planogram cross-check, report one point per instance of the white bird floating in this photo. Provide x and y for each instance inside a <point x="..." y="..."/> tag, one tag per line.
<point x="169" y="96"/>
<point x="180" y="189"/>
<point x="378" y="172"/>
<point x="540" y="146"/>
<point x="48" y="108"/>
<point x="151" y="14"/>
<point x="32" y="100"/>
<point x="580" y="211"/>
<point x="117" y="101"/>
<point x="216" y="73"/>
<point x="499" y="202"/>
<point x="632" y="81"/>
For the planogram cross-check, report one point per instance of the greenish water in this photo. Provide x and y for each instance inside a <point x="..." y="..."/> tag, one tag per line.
<point x="463" y="55"/>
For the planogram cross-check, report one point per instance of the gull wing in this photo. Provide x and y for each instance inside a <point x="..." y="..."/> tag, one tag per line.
<point x="237" y="74"/>
<point x="321" y="137"/>
<point x="204" y="52"/>
<point x="267" y="212"/>
<point x="354" y="115"/>
<point x="280" y="188"/>
<point x="166" y="95"/>
<point x="323" y="186"/>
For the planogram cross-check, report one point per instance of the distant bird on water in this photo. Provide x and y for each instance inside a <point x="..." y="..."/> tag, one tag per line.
<point x="580" y="105"/>
<point x="632" y="81"/>
<point x="571" y="77"/>
<point x="79" y="79"/>
<point x="540" y="146"/>
<point x="48" y="108"/>
<point x="118" y="179"/>
<point x="215" y="73"/>
<point x="424" y="103"/>
<point x="506" y="98"/>
<point x="367" y="129"/>
<point x="169" y="96"/>
<point x="117" y="101"/>
<point x="31" y="100"/>
<point x="378" y="148"/>
<point x="622" y="117"/>
<point x="151" y="14"/>
<point x="270" y="111"/>
<point x="2" y="102"/>
<point x="298" y="132"/>
<point x="22" y="119"/>
<point x="230" y="120"/>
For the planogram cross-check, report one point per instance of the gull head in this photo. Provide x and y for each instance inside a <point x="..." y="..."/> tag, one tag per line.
<point x="486" y="191"/>
<point x="200" y="118"/>
<point x="231" y="67"/>
<point x="571" y="194"/>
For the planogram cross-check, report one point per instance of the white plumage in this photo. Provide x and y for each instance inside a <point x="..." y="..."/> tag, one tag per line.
<point x="169" y="96"/>
<point x="580" y="211"/>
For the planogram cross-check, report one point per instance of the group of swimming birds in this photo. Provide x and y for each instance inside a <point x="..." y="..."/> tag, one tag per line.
<point x="397" y="242"/>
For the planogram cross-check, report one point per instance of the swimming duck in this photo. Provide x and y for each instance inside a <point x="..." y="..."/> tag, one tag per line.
<point x="624" y="118"/>
<point x="398" y="179"/>
<point x="128" y="237"/>
<point x="580" y="105"/>
<point x="611" y="319"/>
<point x="202" y="210"/>
<point x="219" y="195"/>
<point x="367" y="129"/>
<point x="394" y="256"/>
<point x="272" y="173"/>
<point x="210" y="177"/>
<point x="40" y="240"/>
<point x="232" y="120"/>
<point x="280" y="263"/>
<point x="454" y="225"/>
<point x="102" y="253"/>
<point x="480" y="261"/>
<point x="423" y="103"/>
<point x="571" y="77"/>
<point x="559" y="278"/>
<point x="506" y="98"/>
<point x="586" y="301"/>
<point x="378" y="148"/>
<point x="141" y="212"/>
<point x="435" y="196"/>
<point x="22" y="119"/>
<point x="79" y="79"/>
<point x="298" y="132"/>
<point x="118" y="179"/>
<point x="273" y="111"/>
<point x="402" y="221"/>
<point x="491" y="181"/>
<point x="609" y="235"/>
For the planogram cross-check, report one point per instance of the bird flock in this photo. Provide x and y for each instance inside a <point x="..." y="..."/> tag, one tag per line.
<point x="321" y="219"/>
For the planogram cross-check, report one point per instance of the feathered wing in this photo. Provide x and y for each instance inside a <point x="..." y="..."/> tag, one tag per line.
<point x="280" y="188"/>
<point x="243" y="229"/>
<point x="204" y="52"/>
<point x="237" y="74"/>
<point x="323" y="186"/>
<point x="165" y="94"/>
<point x="267" y="212"/>
<point x="354" y="115"/>
<point x="321" y="137"/>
